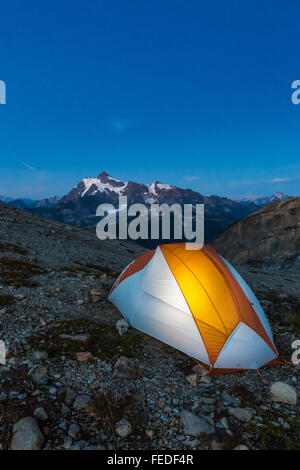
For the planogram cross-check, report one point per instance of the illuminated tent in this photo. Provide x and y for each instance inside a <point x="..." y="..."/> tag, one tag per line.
<point x="195" y="301"/>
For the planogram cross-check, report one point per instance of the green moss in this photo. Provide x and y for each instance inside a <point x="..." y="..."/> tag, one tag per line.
<point x="89" y="268"/>
<point x="276" y="437"/>
<point x="14" y="248"/>
<point x="104" y="341"/>
<point x="18" y="272"/>
<point x="6" y="300"/>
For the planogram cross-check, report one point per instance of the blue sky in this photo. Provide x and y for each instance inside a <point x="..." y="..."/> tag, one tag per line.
<point x="191" y="93"/>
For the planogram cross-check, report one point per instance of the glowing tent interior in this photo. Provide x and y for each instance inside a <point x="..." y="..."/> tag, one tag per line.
<point x="195" y="301"/>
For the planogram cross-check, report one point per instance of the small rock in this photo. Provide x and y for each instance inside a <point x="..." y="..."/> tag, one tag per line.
<point x="80" y="302"/>
<point x="123" y="428"/>
<point x="227" y="398"/>
<point x="70" y="396"/>
<point x="242" y="414"/>
<point x="40" y="355"/>
<point x="40" y="414"/>
<point x="3" y="396"/>
<point x="194" y="425"/>
<point x="205" y="379"/>
<point x="81" y="402"/>
<point x="191" y="444"/>
<point x="97" y="293"/>
<point x="73" y="430"/>
<point x="241" y="447"/>
<point x="122" y="327"/>
<point x="63" y="425"/>
<point x="283" y="393"/>
<point x="200" y="370"/>
<point x="224" y="422"/>
<point x="126" y="369"/>
<point x="78" y="445"/>
<point x="3" y="311"/>
<point x="39" y="375"/>
<point x="27" y="435"/>
<point x="84" y="356"/>
<point x="65" y="411"/>
<point x="192" y="379"/>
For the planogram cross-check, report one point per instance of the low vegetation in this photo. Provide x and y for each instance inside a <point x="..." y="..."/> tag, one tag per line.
<point x="18" y="272"/>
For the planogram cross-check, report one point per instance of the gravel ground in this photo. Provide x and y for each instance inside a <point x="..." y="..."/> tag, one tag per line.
<point x="53" y="306"/>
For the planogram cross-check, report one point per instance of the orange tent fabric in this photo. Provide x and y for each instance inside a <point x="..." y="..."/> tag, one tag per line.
<point x="173" y="286"/>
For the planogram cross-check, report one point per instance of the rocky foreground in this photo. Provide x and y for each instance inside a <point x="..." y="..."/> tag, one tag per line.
<point x="77" y="377"/>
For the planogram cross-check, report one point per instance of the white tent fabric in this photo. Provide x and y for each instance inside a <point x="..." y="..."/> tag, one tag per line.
<point x="152" y="302"/>
<point x="244" y="349"/>
<point x="151" y="299"/>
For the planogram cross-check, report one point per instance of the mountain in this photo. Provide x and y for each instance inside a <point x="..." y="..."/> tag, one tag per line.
<point x="46" y="203"/>
<point x="269" y="236"/>
<point x="5" y="199"/>
<point x="78" y="207"/>
<point x="262" y="201"/>
<point x="24" y="203"/>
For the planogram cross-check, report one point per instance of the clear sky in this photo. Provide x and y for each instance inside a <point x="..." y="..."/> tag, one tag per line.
<point x="191" y="92"/>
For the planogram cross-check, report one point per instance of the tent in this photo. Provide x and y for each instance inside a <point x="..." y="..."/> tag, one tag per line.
<point x="195" y="301"/>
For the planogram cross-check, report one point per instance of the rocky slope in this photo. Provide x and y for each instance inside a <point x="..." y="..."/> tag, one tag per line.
<point x="77" y="378"/>
<point x="269" y="236"/>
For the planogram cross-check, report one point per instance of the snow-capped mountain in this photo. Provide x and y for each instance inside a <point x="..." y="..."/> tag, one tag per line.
<point x="78" y="207"/>
<point x="262" y="201"/>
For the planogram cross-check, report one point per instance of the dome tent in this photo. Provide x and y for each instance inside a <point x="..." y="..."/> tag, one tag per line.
<point x="195" y="301"/>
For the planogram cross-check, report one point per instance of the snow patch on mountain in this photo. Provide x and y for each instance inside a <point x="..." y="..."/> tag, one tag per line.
<point x="100" y="187"/>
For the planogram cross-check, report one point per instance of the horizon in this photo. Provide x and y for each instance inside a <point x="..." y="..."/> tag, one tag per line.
<point x="150" y="92"/>
<point x="246" y="196"/>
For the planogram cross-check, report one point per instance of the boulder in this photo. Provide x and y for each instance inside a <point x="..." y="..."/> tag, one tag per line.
<point x="241" y="414"/>
<point x="194" y="425"/>
<point x="27" y="435"/>
<point x="39" y="375"/>
<point x="283" y="393"/>
<point x="82" y="402"/>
